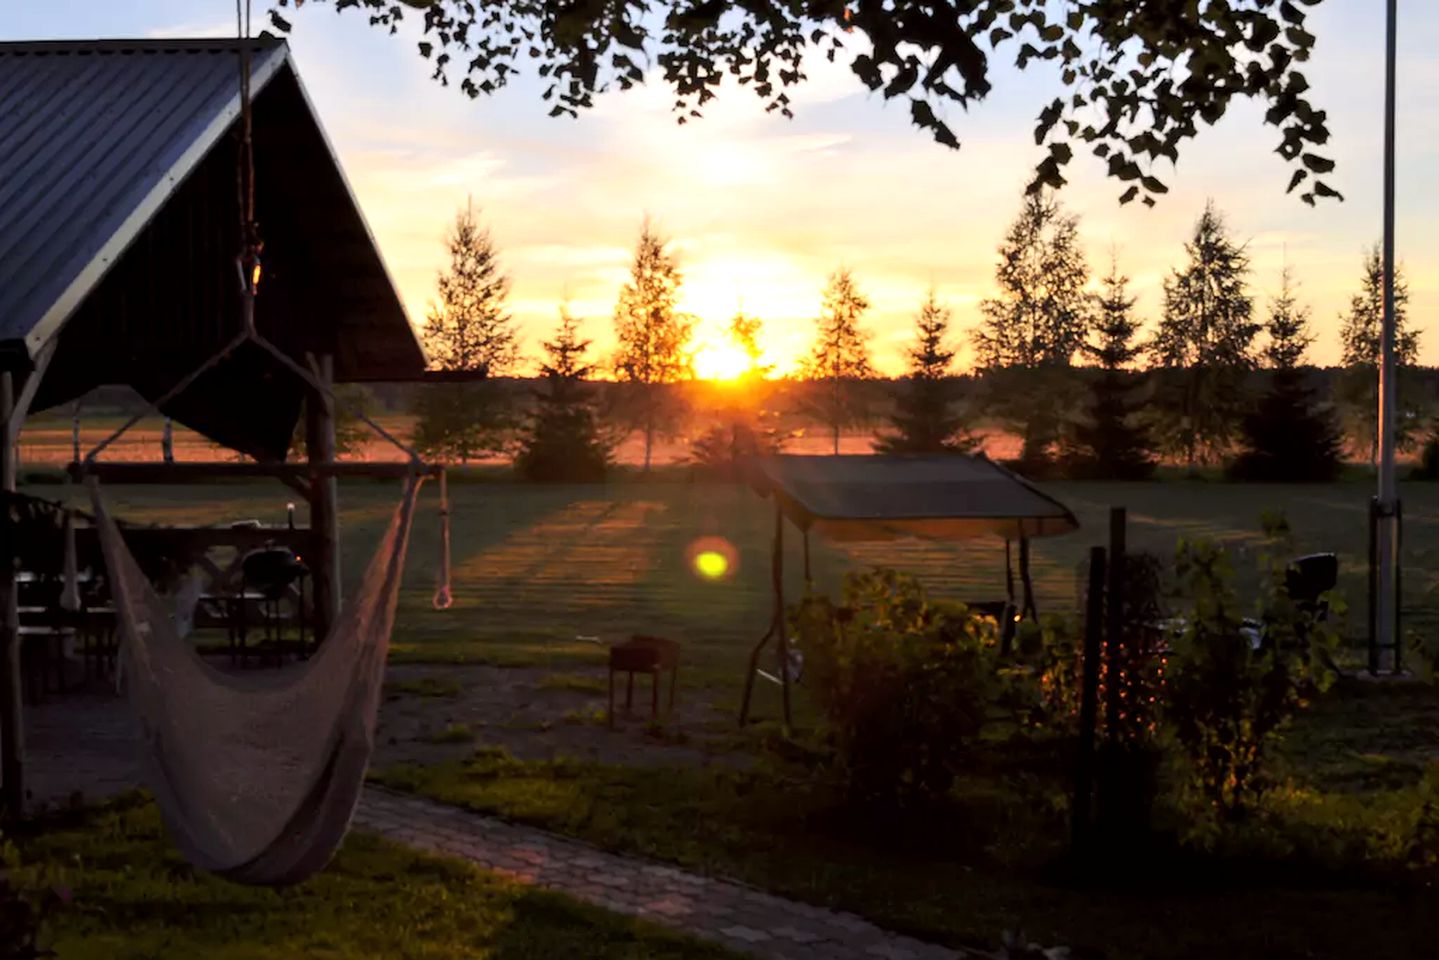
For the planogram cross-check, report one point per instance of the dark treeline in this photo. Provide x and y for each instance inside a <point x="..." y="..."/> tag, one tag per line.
<point x="1066" y="368"/>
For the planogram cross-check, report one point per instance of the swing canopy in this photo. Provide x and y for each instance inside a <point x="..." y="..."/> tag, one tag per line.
<point x="938" y="497"/>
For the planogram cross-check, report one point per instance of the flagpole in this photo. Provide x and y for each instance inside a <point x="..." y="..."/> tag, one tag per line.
<point x="1387" y="599"/>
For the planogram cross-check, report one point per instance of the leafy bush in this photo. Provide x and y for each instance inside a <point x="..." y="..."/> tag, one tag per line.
<point x="1428" y="468"/>
<point x="903" y="681"/>
<point x="1228" y="697"/>
<point x="22" y="912"/>
<point x="1042" y="687"/>
<point x="1424" y="837"/>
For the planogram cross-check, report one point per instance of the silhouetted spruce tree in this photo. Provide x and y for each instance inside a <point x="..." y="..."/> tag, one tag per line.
<point x="1205" y="343"/>
<point x="839" y="359"/>
<point x="1360" y="334"/>
<point x="1113" y="442"/>
<point x="653" y="334"/>
<point x="562" y="441"/>
<point x="1030" y="332"/>
<point x="745" y="428"/>
<point x="1289" y="437"/>
<point x="926" y="419"/>
<point x="468" y="329"/>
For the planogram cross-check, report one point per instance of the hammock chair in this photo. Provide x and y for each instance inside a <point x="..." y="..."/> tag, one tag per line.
<point x="257" y="776"/>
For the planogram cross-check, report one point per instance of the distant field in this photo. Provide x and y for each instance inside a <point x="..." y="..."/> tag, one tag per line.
<point x="535" y="567"/>
<point x="48" y="440"/>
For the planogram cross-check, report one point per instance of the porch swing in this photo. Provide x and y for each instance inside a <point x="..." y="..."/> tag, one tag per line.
<point x="257" y="775"/>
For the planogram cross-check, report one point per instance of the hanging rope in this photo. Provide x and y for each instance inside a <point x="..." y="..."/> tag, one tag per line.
<point x="251" y="246"/>
<point x="248" y="262"/>
<point x="443" y="599"/>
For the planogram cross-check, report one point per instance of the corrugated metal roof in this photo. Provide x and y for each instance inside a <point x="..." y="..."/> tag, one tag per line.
<point x="94" y="136"/>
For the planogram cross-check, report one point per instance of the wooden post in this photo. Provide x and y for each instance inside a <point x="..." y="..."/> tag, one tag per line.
<point x="1008" y="573"/>
<point x="324" y="558"/>
<point x="12" y="737"/>
<point x="1114" y="626"/>
<point x="1028" y="610"/>
<point x="1088" y="702"/>
<point x="808" y="579"/>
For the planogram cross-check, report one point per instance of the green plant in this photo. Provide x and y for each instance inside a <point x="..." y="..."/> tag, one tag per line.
<point x="589" y="716"/>
<point x="454" y="733"/>
<point x="1041" y="689"/>
<point x="22" y="912"/>
<point x="903" y="682"/>
<point x="1231" y="686"/>
<point x="1424" y="839"/>
<point x="1428" y="468"/>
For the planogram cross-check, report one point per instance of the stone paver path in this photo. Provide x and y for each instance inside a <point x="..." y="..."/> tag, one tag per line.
<point x="740" y="917"/>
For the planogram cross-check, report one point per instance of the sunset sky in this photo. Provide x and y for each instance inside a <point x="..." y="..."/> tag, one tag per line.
<point x="761" y="208"/>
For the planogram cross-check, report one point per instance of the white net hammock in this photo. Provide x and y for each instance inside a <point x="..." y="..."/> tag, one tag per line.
<point x="257" y="775"/>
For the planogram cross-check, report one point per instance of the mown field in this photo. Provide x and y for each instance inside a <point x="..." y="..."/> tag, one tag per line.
<point x="537" y="567"/>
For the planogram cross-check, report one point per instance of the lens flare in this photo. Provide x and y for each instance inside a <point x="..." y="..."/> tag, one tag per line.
<point x="712" y="558"/>
<point x="711" y="564"/>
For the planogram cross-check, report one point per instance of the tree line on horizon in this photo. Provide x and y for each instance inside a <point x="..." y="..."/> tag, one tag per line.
<point x="1068" y="369"/>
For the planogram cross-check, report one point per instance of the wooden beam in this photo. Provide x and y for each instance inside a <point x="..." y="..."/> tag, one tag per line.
<point x="199" y="471"/>
<point x="197" y="539"/>
<point x="21" y="404"/>
<point x="324" y="498"/>
<point x="12" y="736"/>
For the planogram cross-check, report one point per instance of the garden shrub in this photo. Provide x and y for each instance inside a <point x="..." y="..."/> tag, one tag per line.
<point x="1227" y="701"/>
<point x="1428" y="468"/>
<point x="22" y="911"/>
<point x="903" y="682"/>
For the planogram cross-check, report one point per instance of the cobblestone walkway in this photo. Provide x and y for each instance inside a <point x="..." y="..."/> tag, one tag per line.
<point x="739" y="917"/>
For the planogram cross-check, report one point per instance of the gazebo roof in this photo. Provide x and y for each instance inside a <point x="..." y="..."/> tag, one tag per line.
<point x="948" y="497"/>
<point x="119" y="226"/>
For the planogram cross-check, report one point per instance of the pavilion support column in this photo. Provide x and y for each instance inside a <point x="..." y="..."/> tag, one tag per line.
<point x="12" y="735"/>
<point x="324" y="558"/>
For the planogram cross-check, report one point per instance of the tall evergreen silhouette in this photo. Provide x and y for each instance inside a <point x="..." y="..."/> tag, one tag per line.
<point x="653" y="334"/>
<point x="839" y="360"/>
<point x="562" y="441"/>
<point x="1113" y="442"/>
<point x="1360" y="332"/>
<point x="1205" y="342"/>
<point x="1032" y="329"/>
<point x="469" y="328"/>
<point x="926" y="418"/>
<point x="1289" y="436"/>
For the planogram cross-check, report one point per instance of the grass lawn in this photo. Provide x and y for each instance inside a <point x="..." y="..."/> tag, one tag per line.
<point x="993" y="859"/>
<point x="133" y="897"/>
<point x="538" y="570"/>
<point x="536" y="567"/>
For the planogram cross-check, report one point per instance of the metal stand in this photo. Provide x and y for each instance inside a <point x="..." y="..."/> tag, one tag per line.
<point x="776" y="629"/>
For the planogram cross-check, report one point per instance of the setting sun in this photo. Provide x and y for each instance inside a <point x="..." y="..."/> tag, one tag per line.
<point x="721" y="362"/>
